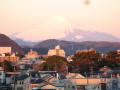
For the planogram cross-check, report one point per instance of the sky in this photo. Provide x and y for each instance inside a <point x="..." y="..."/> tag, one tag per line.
<point x="34" y="20"/>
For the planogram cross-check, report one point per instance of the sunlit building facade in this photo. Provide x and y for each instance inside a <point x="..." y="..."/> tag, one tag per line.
<point x="4" y="50"/>
<point x="32" y="55"/>
<point x="57" y="51"/>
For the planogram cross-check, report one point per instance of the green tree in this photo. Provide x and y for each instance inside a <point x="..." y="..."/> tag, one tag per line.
<point x="85" y="61"/>
<point x="55" y="63"/>
<point x="7" y="65"/>
<point x="103" y="62"/>
<point x="113" y="59"/>
<point x="20" y="56"/>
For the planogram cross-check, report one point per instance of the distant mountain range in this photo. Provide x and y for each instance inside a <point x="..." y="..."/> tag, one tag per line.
<point x="76" y="35"/>
<point x="71" y="47"/>
<point x="83" y="35"/>
<point x="78" y="39"/>
<point x="24" y="43"/>
<point x="71" y="42"/>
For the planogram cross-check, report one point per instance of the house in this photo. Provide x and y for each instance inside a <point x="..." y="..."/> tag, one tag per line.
<point x="105" y="72"/>
<point x="4" y="50"/>
<point x="9" y="57"/>
<point x="88" y="83"/>
<point x="22" y="82"/>
<point x="32" y="55"/>
<point x="45" y="80"/>
<point x="74" y="75"/>
<point x="2" y="76"/>
<point x="41" y="84"/>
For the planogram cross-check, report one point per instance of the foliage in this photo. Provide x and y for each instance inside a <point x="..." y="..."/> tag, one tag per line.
<point x="20" y="56"/>
<point x="103" y="62"/>
<point x="7" y="65"/>
<point x="85" y="61"/>
<point x="82" y="62"/>
<point x="55" y="63"/>
<point x="113" y="58"/>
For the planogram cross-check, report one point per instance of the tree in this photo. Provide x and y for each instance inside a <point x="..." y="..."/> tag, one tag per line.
<point x="55" y="63"/>
<point x="7" y="65"/>
<point x="20" y="56"/>
<point x="103" y="62"/>
<point x="85" y="61"/>
<point x="113" y="59"/>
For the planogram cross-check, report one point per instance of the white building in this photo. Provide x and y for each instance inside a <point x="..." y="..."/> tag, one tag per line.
<point x="5" y="50"/>
<point x="57" y="51"/>
<point x="118" y="51"/>
<point x="32" y="55"/>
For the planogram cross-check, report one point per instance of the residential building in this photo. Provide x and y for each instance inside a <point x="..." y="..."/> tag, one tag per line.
<point x="41" y="84"/>
<point x="10" y="57"/>
<point x="32" y="55"/>
<point x="22" y="82"/>
<point x="118" y="51"/>
<point x="4" y="50"/>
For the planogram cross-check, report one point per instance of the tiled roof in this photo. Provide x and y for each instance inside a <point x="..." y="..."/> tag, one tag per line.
<point x="21" y="77"/>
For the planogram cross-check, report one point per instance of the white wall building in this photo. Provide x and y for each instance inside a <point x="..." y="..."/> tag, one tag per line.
<point x="5" y="50"/>
<point x="57" y="51"/>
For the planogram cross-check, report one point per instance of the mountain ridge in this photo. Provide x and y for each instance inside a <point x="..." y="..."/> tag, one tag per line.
<point x="70" y="47"/>
<point x="5" y="41"/>
<point x="77" y="35"/>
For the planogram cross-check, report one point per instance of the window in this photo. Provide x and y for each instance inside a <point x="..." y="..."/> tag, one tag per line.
<point x="60" y="88"/>
<point x="0" y="73"/>
<point x="73" y="87"/>
<point x="68" y="86"/>
<point x="0" y="81"/>
<point x="22" y="82"/>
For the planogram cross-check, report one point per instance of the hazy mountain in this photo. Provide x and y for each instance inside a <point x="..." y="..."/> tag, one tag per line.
<point x="20" y="41"/>
<point x="81" y="35"/>
<point x="6" y="41"/>
<point x="102" y="42"/>
<point x="24" y="43"/>
<point x="76" y="35"/>
<point x="71" y="47"/>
